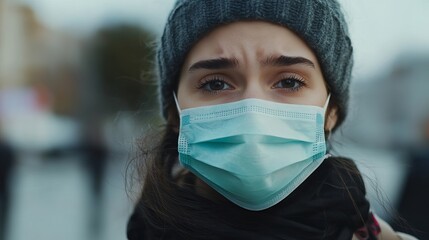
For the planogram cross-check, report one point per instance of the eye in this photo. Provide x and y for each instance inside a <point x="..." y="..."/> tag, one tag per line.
<point x="214" y="85"/>
<point x="290" y="83"/>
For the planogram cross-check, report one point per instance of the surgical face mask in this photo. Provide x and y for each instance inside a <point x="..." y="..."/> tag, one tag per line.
<point x="253" y="152"/>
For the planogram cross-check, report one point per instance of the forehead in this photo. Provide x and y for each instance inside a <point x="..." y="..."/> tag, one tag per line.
<point x="258" y="38"/>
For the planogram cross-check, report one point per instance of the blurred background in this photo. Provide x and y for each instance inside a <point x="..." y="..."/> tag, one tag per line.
<point x="77" y="90"/>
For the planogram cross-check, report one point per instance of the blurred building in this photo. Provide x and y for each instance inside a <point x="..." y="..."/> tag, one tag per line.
<point x="29" y="50"/>
<point x="388" y="110"/>
<point x="384" y="126"/>
<point x="40" y="73"/>
<point x="409" y="83"/>
<point x="12" y="44"/>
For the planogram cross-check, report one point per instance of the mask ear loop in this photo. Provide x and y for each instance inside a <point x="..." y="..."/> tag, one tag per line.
<point x="329" y="133"/>
<point x="177" y="103"/>
<point x="325" y="107"/>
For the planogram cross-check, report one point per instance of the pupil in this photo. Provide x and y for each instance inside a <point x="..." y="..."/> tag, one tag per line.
<point x="288" y="84"/>
<point x="217" y="85"/>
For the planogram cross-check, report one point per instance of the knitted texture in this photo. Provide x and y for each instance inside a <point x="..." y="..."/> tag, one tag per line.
<point x="320" y="23"/>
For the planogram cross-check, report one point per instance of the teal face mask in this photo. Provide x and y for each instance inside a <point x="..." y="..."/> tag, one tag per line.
<point x="253" y="152"/>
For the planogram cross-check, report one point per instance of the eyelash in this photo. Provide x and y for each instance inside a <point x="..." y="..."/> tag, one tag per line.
<point x="294" y="77"/>
<point x="205" y="82"/>
<point x="297" y="79"/>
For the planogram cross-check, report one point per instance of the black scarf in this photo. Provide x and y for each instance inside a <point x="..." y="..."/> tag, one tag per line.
<point x="330" y="205"/>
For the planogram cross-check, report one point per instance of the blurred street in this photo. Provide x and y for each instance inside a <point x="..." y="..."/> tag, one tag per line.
<point x="52" y="199"/>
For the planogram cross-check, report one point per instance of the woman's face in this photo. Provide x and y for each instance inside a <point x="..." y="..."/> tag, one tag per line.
<point x="251" y="60"/>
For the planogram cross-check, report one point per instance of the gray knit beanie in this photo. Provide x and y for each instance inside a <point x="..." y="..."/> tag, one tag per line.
<point x="320" y="23"/>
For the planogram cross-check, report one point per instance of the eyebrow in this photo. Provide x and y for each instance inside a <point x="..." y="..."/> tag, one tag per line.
<point x="282" y="60"/>
<point x="214" y="64"/>
<point x="222" y="63"/>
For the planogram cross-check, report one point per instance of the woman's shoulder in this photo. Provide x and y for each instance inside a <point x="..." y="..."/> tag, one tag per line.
<point x="340" y="160"/>
<point x="404" y="236"/>
<point x="388" y="233"/>
<point x="341" y="170"/>
<point x="347" y="170"/>
<point x="136" y="224"/>
<point x="142" y="225"/>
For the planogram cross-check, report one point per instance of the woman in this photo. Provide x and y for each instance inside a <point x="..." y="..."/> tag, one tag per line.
<point x="250" y="91"/>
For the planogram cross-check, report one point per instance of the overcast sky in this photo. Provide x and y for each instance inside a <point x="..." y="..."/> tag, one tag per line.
<point x="380" y="29"/>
